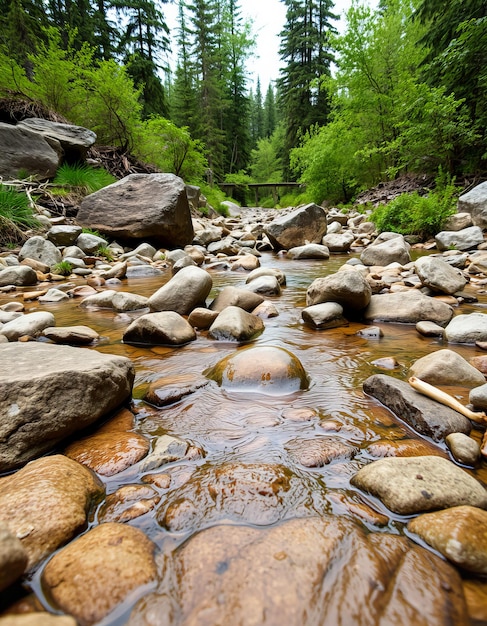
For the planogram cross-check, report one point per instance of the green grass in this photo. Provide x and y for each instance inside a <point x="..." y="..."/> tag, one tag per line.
<point x="105" y="252"/>
<point x="63" y="268"/>
<point x="91" y="231"/>
<point x="16" y="215"/>
<point x="83" y="178"/>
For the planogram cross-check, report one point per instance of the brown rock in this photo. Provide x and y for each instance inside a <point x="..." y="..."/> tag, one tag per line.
<point x="304" y="572"/>
<point x="319" y="451"/>
<point x="127" y="503"/>
<point x="475" y="591"/>
<point x="13" y="557"/>
<point x="172" y="388"/>
<point x="46" y="503"/>
<point x="458" y="533"/>
<point x="37" y="619"/>
<point x="74" y="335"/>
<point x="403" y="447"/>
<point x="92" y="575"/>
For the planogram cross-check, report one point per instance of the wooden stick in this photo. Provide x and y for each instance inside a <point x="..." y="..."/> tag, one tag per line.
<point x="440" y="396"/>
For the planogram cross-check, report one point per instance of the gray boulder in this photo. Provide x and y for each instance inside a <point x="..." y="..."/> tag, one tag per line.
<point x="348" y="287"/>
<point x="90" y="243"/>
<point x="265" y="286"/>
<point x="306" y="224"/>
<point x="48" y="392"/>
<point x="458" y="221"/>
<point x="475" y="203"/>
<point x="425" y="415"/>
<point x="235" y="324"/>
<point x="411" y="485"/>
<point x="439" y="276"/>
<point x="445" y="367"/>
<point x="63" y="235"/>
<point x="407" y="307"/>
<point x="393" y="250"/>
<point x="28" y="151"/>
<point x="19" y="275"/>
<point x="309" y="251"/>
<point x="185" y="291"/>
<point x="74" y="140"/>
<point x="465" y="239"/>
<point x="166" y="328"/>
<point x="468" y="328"/>
<point x="31" y="324"/>
<point x="40" y="249"/>
<point x="478" y="397"/>
<point x="325" y="315"/>
<point x="153" y="207"/>
<point x="338" y="242"/>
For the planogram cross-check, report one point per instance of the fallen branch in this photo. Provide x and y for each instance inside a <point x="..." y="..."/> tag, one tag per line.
<point x="444" y="398"/>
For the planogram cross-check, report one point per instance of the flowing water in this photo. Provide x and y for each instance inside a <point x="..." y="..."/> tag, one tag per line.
<point x="253" y="428"/>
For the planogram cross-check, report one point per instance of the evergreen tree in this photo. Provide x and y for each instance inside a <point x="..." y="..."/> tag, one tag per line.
<point x="270" y="113"/>
<point x="306" y="52"/>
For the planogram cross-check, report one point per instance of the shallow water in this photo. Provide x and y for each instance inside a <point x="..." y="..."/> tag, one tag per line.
<point x="251" y="428"/>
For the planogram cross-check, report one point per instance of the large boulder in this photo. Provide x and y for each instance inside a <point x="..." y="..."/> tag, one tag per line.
<point x="348" y="288"/>
<point x="439" y="276"/>
<point x="263" y="369"/>
<point x="306" y="224"/>
<point x="74" y="140"/>
<point x="393" y="250"/>
<point x="48" y="392"/>
<point x="467" y="328"/>
<point x="408" y="485"/>
<point x="303" y="572"/>
<point x="464" y="239"/>
<point x="185" y="291"/>
<point x="24" y="150"/>
<point x="425" y="415"/>
<point x="47" y="502"/>
<point x="475" y="203"/>
<point x="407" y="307"/>
<point x="446" y="367"/>
<point x="18" y="275"/>
<point x="153" y="207"/>
<point x="40" y="249"/>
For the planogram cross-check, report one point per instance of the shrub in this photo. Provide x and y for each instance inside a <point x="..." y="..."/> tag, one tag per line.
<point x="63" y="268"/>
<point x="105" y="252"/>
<point x="83" y="178"/>
<point x="15" y="214"/>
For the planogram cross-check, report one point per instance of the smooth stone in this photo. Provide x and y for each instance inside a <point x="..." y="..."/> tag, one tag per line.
<point x="74" y="335"/>
<point x="299" y="573"/>
<point x="185" y="291"/>
<point x="19" y="275"/>
<point x="64" y="234"/>
<point x="89" y="243"/>
<point x="407" y="307"/>
<point x="429" y="329"/>
<point x="167" y="449"/>
<point x="235" y="324"/>
<point x="325" y="315"/>
<point x="478" y="397"/>
<point x="338" y="243"/>
<point x="53" y="295"/>
<point x="128" y="503"/>
<point x="37" y="619"/>
<point x="458" y="533"/>
<point x="48" y="392"/>
<point x="446" y="367"/>
<point x="262" y="369"/>
<point x="165" y="328"/>
<point x="235" y="296"/>
<point x="404" y="448"/>
<point x="100" y="300"/>
<point x="463" y="448"/>
<point x="202" y="318"/>
<point x="13" y="557"/>
<point x="309" y="251"/>
<point x="468" y="328"/>
<point x="348" y="288"/>
<point x="439" y="276"/>
<point x="424" y="414"/>
<point x="264" y="286"/>
<point x="8" y="316"/>
<point x="319" y="451"/>
<point x="268" y="271"/>
<point x="393" y="250"/>
<point x="303" y="225"/>
<point x="12" y="307"/>
<point x="31" y="324"/>
<point x="144" y="249"/>
<point x="99" y="570"/>
<point x="123" y="301"/>
<point x="46" y="503"/>
<point x="245" y="263"/>
<point x="480" y="364"/>
<point x="266" y="310"/>
<point x="464" y="239"/>
<point x="371" y="332"/>
<point x="458" y="221"/>
<point x="40" y="249"/>
<point x="409" y="485"/>
<point x="171" y="389"/>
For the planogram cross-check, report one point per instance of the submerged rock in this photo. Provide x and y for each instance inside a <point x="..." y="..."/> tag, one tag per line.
<point x="262" y="369"/>
<point x="407" y="307"/>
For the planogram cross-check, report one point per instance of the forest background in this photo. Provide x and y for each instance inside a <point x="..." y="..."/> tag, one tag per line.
<point x="401" y="90"/>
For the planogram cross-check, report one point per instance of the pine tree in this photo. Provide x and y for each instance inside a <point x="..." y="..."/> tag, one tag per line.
<point x="306" y="52"/>
<point x="270" y="113"/>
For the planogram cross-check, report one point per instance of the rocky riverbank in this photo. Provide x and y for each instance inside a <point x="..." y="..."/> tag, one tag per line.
<point x="240" y="540"/>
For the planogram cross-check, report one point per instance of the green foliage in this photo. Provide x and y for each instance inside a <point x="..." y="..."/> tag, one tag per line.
<point x="215" y="197"/>
<point x="413" y="214"/>
<point x="171" y="149"/>
<point x="91" y="231"/>
<point x="63" y="268"/>
<point x="15" y="207"/>
<point x="105" y="252"/>
<point x="83" y="178"/>
<point x="266" y="160"/>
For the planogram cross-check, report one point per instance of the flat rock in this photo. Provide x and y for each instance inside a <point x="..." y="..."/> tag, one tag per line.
<point x="64" y="234"/>
<point x="71" y="335"/>
<point x="26" y="150"/>
<point x="465" y="239"/>
<point x="320" y="451"/>
<point x="458" y="534"/>
<point x="446" y="367"/>
<point x="48" y="392"/>
<point x="410" y="485"/>
<point x="299" y="573"/>
<point x="99" y="570"/>
<point x="407" y="307"/>
<point x="128" y="503"/>
<point x="165" y="328"/>
<point x="338" y="243"/>
<point x="309" y="251"/>
<point x="425" y="415"/>
<point x="46" y="503"/>
<point x="169" y="389"/>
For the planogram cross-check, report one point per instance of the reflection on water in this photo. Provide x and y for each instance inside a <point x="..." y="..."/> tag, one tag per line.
<point x="254" y="429"/>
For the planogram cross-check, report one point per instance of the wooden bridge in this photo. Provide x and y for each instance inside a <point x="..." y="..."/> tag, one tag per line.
<point x="229" y="189"/>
